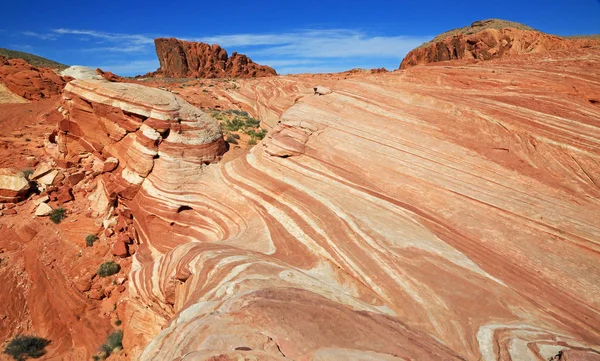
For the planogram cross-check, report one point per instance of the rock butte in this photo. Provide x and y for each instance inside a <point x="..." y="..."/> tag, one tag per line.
<point x="442" y="212"/>
<point x="490" y="39"/>
<point x="186" y="59"/>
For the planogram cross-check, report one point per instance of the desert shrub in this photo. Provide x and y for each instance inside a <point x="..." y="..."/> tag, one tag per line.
<point x="108" y="269"/>
<point x="235" y="124"/>
<point x="90" y="239"/>
<point x="252" y="141"/>
<point x="114" y="342"/>
<point x="231" y="139"/>
<point x="254" y="134"/>
<point x="21" y="347"/>
<point x="252" y="123"/>
<point x="118" y="322"/>
<point x="58" y="215"/>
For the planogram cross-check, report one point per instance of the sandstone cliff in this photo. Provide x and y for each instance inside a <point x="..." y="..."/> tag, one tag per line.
<point x="490" y="39"/>
<point x="185" y="59"/>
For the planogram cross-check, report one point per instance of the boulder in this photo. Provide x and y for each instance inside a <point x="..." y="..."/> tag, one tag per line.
<point x="43" y="210"/>
<point x="13" y="186"/>
<point x="120" y="249"/>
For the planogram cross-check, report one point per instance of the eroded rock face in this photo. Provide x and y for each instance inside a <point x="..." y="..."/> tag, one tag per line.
<point x="438" y="213"/>
<point x="127" y="128"/>
<point x="29" y="82"/>
<point x="482" y="42"/>
<point x="185" y="59"/>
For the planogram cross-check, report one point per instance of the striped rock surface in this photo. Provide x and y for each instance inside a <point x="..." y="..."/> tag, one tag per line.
<point x="438" y="213"/>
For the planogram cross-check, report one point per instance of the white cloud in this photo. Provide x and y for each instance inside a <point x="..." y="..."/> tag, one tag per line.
<point x="49" y="36"/>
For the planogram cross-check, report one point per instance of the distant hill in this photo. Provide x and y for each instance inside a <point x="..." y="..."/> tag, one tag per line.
<point x="491" y="39"/>
<point x="476" y="27"/>
<point x="34" y="60"/>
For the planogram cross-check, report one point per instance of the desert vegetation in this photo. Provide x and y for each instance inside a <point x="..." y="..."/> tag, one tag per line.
<point x="90" y="239"/>
<point x="22" y="347"/>
<point x="235" y="122"/>
<point x="108" y="269"/>
<point x="57" y="215"/>
<point x="114" y="342"/>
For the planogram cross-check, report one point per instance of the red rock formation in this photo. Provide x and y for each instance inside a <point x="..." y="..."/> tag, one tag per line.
<point x="437" y="213"/>
<point x="481" y="42"/>
<point x="185" y="59"/>
<point x="28" y="81"/>
<point x="109" y="75"/>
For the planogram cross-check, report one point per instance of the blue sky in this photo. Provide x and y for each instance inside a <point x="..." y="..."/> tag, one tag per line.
<point x="291" y="36"/>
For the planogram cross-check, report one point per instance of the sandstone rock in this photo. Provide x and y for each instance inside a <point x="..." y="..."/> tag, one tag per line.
<point x="30" y="82"/>
<point x="43" y="210"/>
<point x="64" y="195"/>
<point x="109" y="223"/>
<point x="120" y="249"/>
<point x="321" y="90"/>
<point x="490" y="39"/>
<point x="438" y="213"/>
<point x="48" y="178"/>
<point x="110" y="164"/>
<point x="81" y="73"/>
<point x="41" y="171"/>
<point x="108" y="75"/>
<point x="75" y="178"/>
<point x="42" y="199"/>
<point x="13" y="186"/>
<point x="185" y="59"/>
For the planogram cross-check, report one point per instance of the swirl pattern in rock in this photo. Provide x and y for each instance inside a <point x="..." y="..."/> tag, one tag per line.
<point x="435" y="213"/>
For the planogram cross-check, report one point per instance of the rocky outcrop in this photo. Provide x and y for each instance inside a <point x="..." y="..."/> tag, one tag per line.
<point x="490" y="39"/>
<point x="437" y="213"/>
<point x="30" y="82"/>
<point x="127" y="128"/>
<point x="185" y="59"/>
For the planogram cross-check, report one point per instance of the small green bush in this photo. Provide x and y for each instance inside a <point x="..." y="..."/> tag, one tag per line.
<point x="231" y="139"/>
<point x="118" y="322"/>
<point x="108" y="269"/>
<point x="90" y="239"/>
<point x="21" y="347"/>
<point x="254" y="134"/>
<point x="252" y="141"/>
<point x="114" y="341"/>
<point x="58" y="215"/>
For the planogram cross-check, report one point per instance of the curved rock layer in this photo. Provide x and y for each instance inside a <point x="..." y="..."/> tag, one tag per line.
<point x="135" y="124"/>
<point x="491" y="43"/>
<point x="438" y="213"/>
<point x="186" y="59"/>
<point x="30" y="82"/>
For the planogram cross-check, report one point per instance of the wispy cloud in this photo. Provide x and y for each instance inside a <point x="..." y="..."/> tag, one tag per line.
<point x="126" y="43"/>
<point x="49" y="36"/>
<point x="307" y="50"/>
